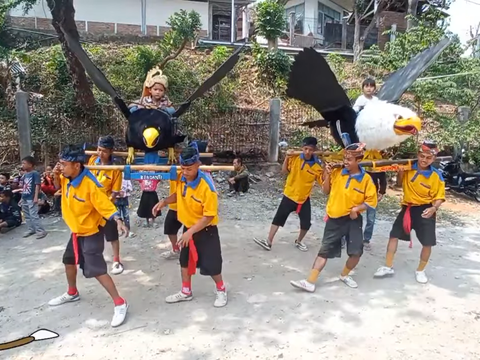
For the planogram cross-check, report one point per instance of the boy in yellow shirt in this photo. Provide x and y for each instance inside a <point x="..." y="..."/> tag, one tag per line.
<point x="197" y="210"/>
<point x="85" y="208"/>
<point x="423" y="194"/>
<point x="302" y="172"/>
<point x="351" y="191"/>
<point x="111" y="180"/>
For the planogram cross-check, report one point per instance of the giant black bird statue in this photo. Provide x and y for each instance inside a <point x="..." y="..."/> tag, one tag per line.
<point x="381" y="124"/>
<point x="149" y="129"/>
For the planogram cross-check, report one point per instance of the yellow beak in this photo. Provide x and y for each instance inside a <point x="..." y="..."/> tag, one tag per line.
<point x="408" y="126"/>
<point x="150" y="137"/>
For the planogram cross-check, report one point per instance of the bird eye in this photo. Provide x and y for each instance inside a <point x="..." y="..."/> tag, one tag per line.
<point x="399" y="117"/>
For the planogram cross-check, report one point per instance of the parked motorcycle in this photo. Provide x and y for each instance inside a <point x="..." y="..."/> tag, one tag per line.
<point x="459" y="181"/>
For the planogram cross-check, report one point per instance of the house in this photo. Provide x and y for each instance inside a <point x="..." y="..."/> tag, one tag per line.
<point x="323" y="20"/>
<point x="137" y="17"/>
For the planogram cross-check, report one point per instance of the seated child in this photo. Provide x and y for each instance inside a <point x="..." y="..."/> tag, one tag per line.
<point x="47" y="185"/>
<point x="5" y="181"/>
<point x="10" y="214"/>
<point x="43" y="205"/>
<point x="368" y="88"/>
<point x="153" y="94"/>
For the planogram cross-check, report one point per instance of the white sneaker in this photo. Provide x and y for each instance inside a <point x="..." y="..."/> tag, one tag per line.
<point x="221" y="299"/>
<point x="117" y="268"/>
<point x="170" y="255"/>
<point x="383" y="271"/>
<point x="348" y="280"/>
<point x="119" y="315"/>
<point x="301" y="246"/>
<point x="178" y="297"/>
<point x="303" y="285"/>
<point x="63" y="299"/>
<point x="421" y="277"/>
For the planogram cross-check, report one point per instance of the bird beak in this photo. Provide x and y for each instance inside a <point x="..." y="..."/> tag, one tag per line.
<point x="150" y="137"/>
<point x="408" y="126"/>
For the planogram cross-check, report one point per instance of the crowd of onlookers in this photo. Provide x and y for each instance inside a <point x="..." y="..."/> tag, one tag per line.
<point x="26" y="196"/>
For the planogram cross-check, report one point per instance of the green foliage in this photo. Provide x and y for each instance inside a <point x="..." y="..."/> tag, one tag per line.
<point x="337" y="64"/>
<point x="184" y="27"/>
<point x="273" y="68"/>
<point x="457" y="90"/>
<point x="270" y="19"/>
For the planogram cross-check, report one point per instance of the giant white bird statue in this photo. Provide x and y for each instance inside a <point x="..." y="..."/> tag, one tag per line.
<point x="380" y="124"/>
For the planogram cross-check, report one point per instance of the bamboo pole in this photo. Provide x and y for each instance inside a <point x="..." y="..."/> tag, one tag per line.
<point x="318" y="153"/>
<point x="378" y="164"/>
<point x="137" y="153"/>
<point x="157" y="167"/>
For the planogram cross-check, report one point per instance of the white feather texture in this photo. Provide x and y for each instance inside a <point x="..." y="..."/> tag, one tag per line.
<point x="375" y="124"/>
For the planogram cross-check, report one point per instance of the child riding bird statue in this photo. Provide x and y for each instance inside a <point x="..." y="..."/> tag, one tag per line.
<point x="380" y="124"/>
<point x="150" y="128"/>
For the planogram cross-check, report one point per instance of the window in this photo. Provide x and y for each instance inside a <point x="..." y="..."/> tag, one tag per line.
<point x="326" y="15"/>
<point x="299" y="11"/>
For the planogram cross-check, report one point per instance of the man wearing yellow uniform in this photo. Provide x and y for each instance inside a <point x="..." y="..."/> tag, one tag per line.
<point x="111" y="181"/>
<point x="85" y="208"/>
<point x="197" y="210"/>
<point x="423" y="194"/>
<point x="351" y="191"/>
<point x="171" y="226"/>
<point x="302" y="172"/>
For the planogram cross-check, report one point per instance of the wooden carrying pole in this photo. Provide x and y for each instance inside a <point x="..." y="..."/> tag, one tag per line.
<point x="157" y="167"/>
<point x="318" y="153"/>
<point x="382" y="163"/>
<point x="137" y="153"/>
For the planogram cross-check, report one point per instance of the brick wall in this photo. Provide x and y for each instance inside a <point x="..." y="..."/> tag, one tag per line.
<point x="387" y="19"/>
<point x="97" y="29"/>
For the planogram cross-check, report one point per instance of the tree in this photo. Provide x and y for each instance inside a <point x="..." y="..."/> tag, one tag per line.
<point x="360" y="12"/>
<point x="63" y="13"/>
<point x="270" y="21"/>
<point x="184" y="28"/>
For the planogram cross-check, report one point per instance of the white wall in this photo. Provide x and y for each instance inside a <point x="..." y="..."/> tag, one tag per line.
<point x="123" y="11"/>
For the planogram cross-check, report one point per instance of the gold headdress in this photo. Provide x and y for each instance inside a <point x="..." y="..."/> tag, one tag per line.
<point x="154" y="76"/>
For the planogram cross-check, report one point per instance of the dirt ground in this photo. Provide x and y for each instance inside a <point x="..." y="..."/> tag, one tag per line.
<point x="266" y="318"/>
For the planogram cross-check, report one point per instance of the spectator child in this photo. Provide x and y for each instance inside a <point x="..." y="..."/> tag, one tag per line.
<point x="10" y="215"/>
<point x="122" y="202"/>
<point x="148" y="200"/>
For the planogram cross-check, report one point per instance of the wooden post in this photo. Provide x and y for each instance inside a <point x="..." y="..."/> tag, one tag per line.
<point x="275" y="113"/>
<point x="23" y="123"/>
<point x="344" y="34"/>
<point x="393" y="33"/>
<point x="463" y="115"/>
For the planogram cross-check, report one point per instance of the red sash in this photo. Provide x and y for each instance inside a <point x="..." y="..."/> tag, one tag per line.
<point x="192" y="257"/>
<point x="75" y="247"/>
<point x="407" y="223"/>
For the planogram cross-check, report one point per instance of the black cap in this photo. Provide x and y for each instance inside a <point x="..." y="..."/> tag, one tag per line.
<point x="106" y="142"/>
<point x="310" y="141"/>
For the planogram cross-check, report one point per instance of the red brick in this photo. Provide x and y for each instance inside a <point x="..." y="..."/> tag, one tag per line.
<point x="23" y="22"/>
<point x="387" y="19"/>
<point x="129" y="29"/>
<point x="151" y="30"/>
<point x="44" y="24"/>
<point x="95" y="27"/>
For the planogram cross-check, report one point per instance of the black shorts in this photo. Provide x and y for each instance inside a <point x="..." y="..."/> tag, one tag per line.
<point x="111" y="230"/>
<point x="209" y="252"/>
<point x="90" y="254"/>
<point x="424" y="228"/>
<point x="12" y="223"/>
<point x="335" y="230"/>
<point x="287" y="206"/>
<point x="171" y="224"/>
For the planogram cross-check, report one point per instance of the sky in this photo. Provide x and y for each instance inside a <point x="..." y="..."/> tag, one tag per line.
<point x="463" y="14"/>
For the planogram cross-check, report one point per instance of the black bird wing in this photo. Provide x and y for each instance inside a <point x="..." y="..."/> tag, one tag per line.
<point x="399" y="81"/>
<point x="314" y="83"/>
<point x="95" y="74"/>
<point x="214" y="79"/>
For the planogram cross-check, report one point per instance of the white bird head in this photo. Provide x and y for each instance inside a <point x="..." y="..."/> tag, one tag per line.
<point x="381" y="125"/>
